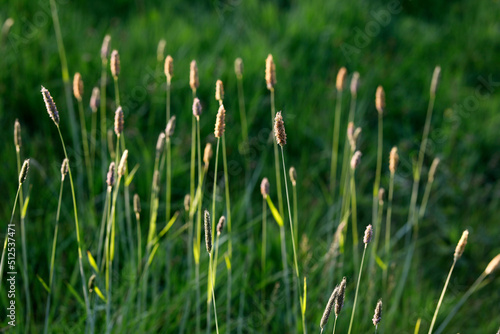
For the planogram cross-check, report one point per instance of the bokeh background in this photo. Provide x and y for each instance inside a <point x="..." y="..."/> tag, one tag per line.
<point x="396" y="44"/>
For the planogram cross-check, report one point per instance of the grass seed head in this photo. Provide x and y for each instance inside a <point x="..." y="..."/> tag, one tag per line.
<point x="78" y="86"/>
<point x="194" y="80"/>
<point x="115" y="64"/>
<point x="160" y="143"/>
<point x="122" y="166"/>
<point x="264" y="187"/>
<point x="91" y="283"/>
<point x="432" y="170"/>
<point x="368" y="234"/>
<point x="207" y="154"/>
<point x="169" y="67"/>
<point x="110" y="178"/>
<point x="17" y="135"/>
<point x="197" y="107"/>
<point x="377" y="316"/>
<point x="220" y="225"/>
<point x="220" y="122"/>
<point x="393" y="160"/>
<point x="105" y="48"/>
<point x="64" y="168"/>
<point x="119" y="121"/>
<point x="293" y="175"/>
<point x="493" y="265"/>
<point x="50" y="105"/>
<point x="208" y="232"/>
<point x="24" y="171"/>
<point x="355" y="160"/>
<point x="279" y="129"/>
<point x="381" y="196"/>
<point x="187" y="202"/>
<point x="238" y="67"/>
<point x="137" y="204"/>
<point x="380" y="100"/>
<point x="160" y="51"/>
<point x="435" y="80"/>
<point x="459" y="250"/>
<point x="328" y="308"/>
<point x="341" y="75"/>
<point x="219" y="91"/>
<point x="169" y="131"/>
<point x="339" y="301"/>
<point x="354" y="84"/>
<point x="95" y="99"/>
<point x="270" y="72"/>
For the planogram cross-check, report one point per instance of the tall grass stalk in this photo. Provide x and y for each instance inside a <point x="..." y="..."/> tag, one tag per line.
<point x="335" y="145"/>
<point x="354" y="219"/>
<point x="169" y="157"/>
<point x="376" y="184"/>
<point x="388" y="232"/>
<point x="85" y="144"/>
<point x="428" y="187"/>
<point x="104" y="127"/>
<point x="241" y="99"/>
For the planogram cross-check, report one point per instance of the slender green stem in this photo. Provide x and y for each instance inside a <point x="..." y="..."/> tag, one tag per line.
<point x="276" y="159"/>
<point x="345" y="159"/>
<point x="85" y="145"/>
<point x="334" y="325"/>
<point x="93" y="139"/>
<point x="378" y="171"/>
<point x="169" y="157"/>
<point x="214" y="193"/>
<point x="442" y="296"/>
<point x="6" y="234"/>
<point x="104" y="219"/>
<point x="52" y="259"/>
<point x="354" y="218"/>
<point x="128" y="211"/>
<point x="139" y="243"/>
<point x="215" y="307"/>
<point x="357" y="290"/>
<point x="243" y="115"/>
<point x="388" y="231"/>
<point x="117" y="93"/>
<point x="104" y="129"/>
<point x="295" y="214"/>
<point x="263" y="255"/>
<point x="285" y="276"/>
<point x="425" y="199"/>
<point x="335" y="146"/>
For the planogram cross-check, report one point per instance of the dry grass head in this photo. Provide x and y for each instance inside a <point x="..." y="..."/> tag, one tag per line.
<point x="207" y="155"/>
<point x="459" y="250"/>
<point x="137" y="205"/>
<point x="169" y="67"/>
<point x="293" y="175"/>
<point x="122" y="166"/>
<point x="160" y="50"/>
<point x="208" y="232"/>
<point x="380" y="100"/>
<point x="105" y="48"/>
<point x="115" y="64"/>
<point x="432" y="170"/>
<point x="119" y="121"/>
<point x="197" y="108"/>
<point x="194" y="80"/>
<point x="220" y="225"/>
<point x="160" y="143"/>
<point x="339" y="301"/>
<point x="270" y="72"/>
<point x="91" y="283"/>
<point x="341" y="75"/>
<point x="279" y="129"/>
<point x="110" y="177"/>
<point x="64" y="168"/>
<point x="24" y="171"/>
<point x="328" y="308"/>
<point x="377" y="316"/>
<point x="393" y="160"/>
<point x="169" y="131"/>
<point x="187" y="202"/>
<point x="220" y="122"/>
<point x="355" y="160"/>
<point x="50" y="105"/>
<point x="354" y="84"/>
<point x="17" y="135"/>
<point x="264" y="187"/>
<point x="368" y="235"/>
<point x="493" y="265"/>
<point x="95" y="99"/>
<point x="219" y="91"/>
<point x="381" y="196"/>
<point x="435" y="80"/>
<point x="238" y="67"/>
<point x="78" y="86"/>
<point x="352" y="135"/>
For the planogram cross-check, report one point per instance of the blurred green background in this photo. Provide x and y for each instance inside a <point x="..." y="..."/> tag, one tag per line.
<point x="395" y="44"/>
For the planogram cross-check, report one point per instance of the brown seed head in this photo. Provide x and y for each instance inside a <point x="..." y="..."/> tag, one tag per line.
<point x="380" y="100"/>
<point x="220" y="122"/>
<point x="220" y="225"/>
<point x="208" y="232"/>
<point x="368" y="234"/>
<point x="339" y="301"/>
<point x="493" y="265"/>
<point x="207" y="154"/>
<point x="160" y="143"/>
<point x="279" y="129"/>
<point x="160" y="51"/>
<point x="123" y="164"/>
<point x="435" y="80"/>
<point x="381" y="195"/>
<point x="355" y="160"/>
<point x="110" y="178"/>
<point x="95" y="99"/>
<point x="432" y="170"/>
<point x="187" y="202"/>
<point x="393" y="160"/>
<point x="115" y="64"/>
<point x="50" y="105"/>
<point x="238" y="67"/>
<point x="194" y="81"/>
<point x="461" y="245"/>
<point x="293" y="175"/>
<point x="169" y="131"/>
<point x="270" y="72"/>
<point x="17" y="135"/>
<point x="197" y="107"/>
<point x="105" y="48"/>
<point x="91" y="283"/>
<point x="169" y="67"/>
<point x="354" y="84"/>
<point x="118" y="121"/>
<point x="341" y="78"/>
<point x="78" y="86"/>
<point x="137" y="204"/>
<point x="264" y="187"/>
<point x="64" y="168"/>
<point x="377" y="316"/>
<point x="24" y="171"/>
<point x="219" y="91"/>
<point x="328" y="308"/>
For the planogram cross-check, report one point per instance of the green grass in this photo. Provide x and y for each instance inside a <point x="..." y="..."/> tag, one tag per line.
<point x="306" y="40"/>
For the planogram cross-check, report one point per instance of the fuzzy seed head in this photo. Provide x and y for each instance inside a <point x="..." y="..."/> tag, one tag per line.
<point x="115" y="64"/>
<point x="238" y="67"/>
<point x="123" y="164"/>
<point x="380" y="100"/>
<point x="64" y="168"/>
<point x="270" y="72"/>
<point x="208" y="232"/>
<point x="110" y="178"/>
<point x="194" y="81"/>
<point x="220" y="122"/>
<point x="293" y="175"/>
<point x="24" y="171"/>
<point x="187" y="202"/>
<point x="91" y="283"/>
<point x="459" y="250"/>
<point x="161" y="49"/>
<point x="368" y="234"/>
<point x="341" y="78"/>
<point x="78" y="86"/>
<point x="381" y="196"/>
<point x="17" y="135"/>
<point x="95" y="99"/>
<point x="377" y="316"/>
<point x="219" y="91"/>
<point x="264" y="187"/>
<point x="432" y="170"/>
<point x="328" y="308"/>
<point x="169" y="131"/>
<point x="355" y="160"/>
<point x="339" y="301"/>
<point x="137" y="204"/>
<point x="352" y="135"/>
<point x="169" y="67"/>
<point x="220" y="225"/>
<point x="160" y="143"/>
<point x="493" y="265"/>
<point x="354" y="84"/>
<point x="105" y="48"/>
<point x="435" y="80"/>
<point x="393" y="160"/>
<point x="197" y="107"/>
<point x="50" y="105"/>
<point x="119" y="121"/>
<point x="207" y="154"/>
<point x="279" y="129"/>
